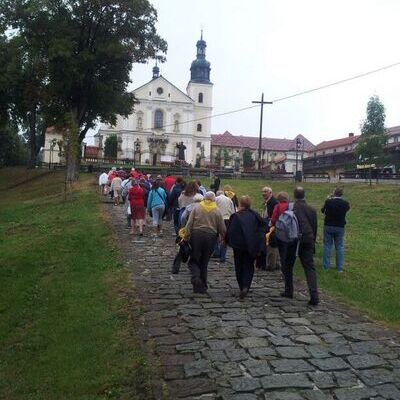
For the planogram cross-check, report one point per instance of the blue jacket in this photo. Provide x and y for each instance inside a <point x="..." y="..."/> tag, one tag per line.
<point x="156" y="197"/>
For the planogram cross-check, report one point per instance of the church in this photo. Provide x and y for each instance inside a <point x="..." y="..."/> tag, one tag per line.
<point x="167" y="124"/>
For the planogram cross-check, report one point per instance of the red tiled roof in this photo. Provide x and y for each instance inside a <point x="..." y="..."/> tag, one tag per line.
<point x="330" y="144"/>
<point x="251" y="142"/>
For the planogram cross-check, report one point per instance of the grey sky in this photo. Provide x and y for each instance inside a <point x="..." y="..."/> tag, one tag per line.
<point x="283" y="47"/>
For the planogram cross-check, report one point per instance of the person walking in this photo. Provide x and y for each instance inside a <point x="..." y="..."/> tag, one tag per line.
<point x="116" y="189"/>
<point x="227" y="208"/>
<point x="335" y="210"/>
<point x="179" y="258"/>
<point x="103" y="178"/>
<point x="269" y="256"/>
<point x="303" y="245"/>
<point x="245" y="234"/>
<point x="228" y="192"/>
<point x="136" y="196"/>
<point x="216" y="184"/>
<point x="204" y="227"/>
<point x="176" y="191"/>
<point x="156" y="206"/>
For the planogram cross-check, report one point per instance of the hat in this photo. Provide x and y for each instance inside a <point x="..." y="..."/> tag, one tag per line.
<point x="198" y="197"/>
<point x="209" y="196"/>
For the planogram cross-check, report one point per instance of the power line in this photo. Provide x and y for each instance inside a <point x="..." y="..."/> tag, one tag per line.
<point x="282" y="98"/>
<point x="337" y="82"/>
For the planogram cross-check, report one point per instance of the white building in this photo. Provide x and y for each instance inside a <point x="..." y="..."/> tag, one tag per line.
<point x="165" y="117"/>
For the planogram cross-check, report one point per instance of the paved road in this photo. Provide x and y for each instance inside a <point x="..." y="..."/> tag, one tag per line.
<point x="215" y="347"/>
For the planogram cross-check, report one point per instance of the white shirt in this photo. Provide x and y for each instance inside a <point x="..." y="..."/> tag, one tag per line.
<point x="225" y="205"/>
<point x="103" y="178"/>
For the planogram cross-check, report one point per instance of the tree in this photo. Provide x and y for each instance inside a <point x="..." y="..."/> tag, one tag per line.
<point x="248" y="161"/>
<point x="111" y="146"/>
<point x="13" y="149"/>
<point x="371" y="145"/>
<point x="88" y="48"/>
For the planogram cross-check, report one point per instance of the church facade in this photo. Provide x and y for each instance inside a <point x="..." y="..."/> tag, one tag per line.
<point x="167" y="124"/>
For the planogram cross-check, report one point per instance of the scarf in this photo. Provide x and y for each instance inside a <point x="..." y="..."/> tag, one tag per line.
<point x="208" y="205"/>
<point x="229" y="194"/>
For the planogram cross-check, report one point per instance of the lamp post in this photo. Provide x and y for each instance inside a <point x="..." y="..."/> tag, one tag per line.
<point x="299" y="144"/>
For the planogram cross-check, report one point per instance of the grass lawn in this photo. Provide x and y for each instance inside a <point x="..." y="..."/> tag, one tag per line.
<point x="65" y="328"/>
<point x="371" y="280"/>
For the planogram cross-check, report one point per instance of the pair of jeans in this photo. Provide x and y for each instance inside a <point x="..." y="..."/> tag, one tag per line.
<point x="158" y="212"/>
<point x="176" y="216"/>
<point x="203" y="243"/>
<point x="244" y="268"/>
<point x="287" y="252"/>
<point x="333" y="234"/>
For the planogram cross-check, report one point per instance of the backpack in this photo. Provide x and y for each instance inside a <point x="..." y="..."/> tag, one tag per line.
<point x="287" y="226"/>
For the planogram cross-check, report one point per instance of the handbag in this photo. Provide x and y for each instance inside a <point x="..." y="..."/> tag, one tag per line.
<point x="185" y="249"/>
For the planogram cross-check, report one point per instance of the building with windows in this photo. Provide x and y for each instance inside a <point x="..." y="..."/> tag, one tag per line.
<point x="337" y="156"/>
<point x="241" y="152"/>
<point x="167" y="123"/>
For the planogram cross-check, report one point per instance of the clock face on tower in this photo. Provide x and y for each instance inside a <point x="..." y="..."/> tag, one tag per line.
<point x="160" y="90"/>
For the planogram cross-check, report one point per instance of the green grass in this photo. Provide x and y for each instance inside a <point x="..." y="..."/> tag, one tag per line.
<point x="371" y="280"/>
<point x="65" y="328"/>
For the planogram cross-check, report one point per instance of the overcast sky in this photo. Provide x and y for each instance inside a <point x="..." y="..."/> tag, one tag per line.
<point x="280" y="48"/>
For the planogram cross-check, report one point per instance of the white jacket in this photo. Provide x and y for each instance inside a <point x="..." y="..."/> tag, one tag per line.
<point x="225" y="206"/>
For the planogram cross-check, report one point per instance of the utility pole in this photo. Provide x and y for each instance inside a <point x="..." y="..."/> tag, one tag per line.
<point x="262" y="102"/>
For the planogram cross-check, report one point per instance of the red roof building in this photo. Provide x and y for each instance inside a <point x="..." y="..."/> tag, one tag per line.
<point x="276" y="153"/>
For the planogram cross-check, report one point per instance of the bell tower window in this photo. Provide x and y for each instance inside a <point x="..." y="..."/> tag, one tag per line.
<point x="199" y="127"/>
<point x="158" y="119"/>
<point x="200" y="97"/>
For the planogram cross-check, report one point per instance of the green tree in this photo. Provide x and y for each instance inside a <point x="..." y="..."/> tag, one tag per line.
<point x="373" y="139"/>
<point x="88" y="48"/>
<point x="111" y="146"/>
<point x="226" y="156"/>
<point x="13" y="149"/>
<point x="248" y="161"/>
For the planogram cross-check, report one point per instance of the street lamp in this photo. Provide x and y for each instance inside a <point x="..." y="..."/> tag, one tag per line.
<point x="299" y="147"/>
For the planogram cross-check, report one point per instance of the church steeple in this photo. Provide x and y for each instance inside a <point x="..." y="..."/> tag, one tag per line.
<point x="156" y="71"/>
<point x="200" y="68"/>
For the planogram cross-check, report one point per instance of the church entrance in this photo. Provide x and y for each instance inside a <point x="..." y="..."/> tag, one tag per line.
<point x="154" y="160"/>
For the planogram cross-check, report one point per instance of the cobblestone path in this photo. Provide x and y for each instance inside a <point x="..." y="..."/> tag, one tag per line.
<point x="215" y="347"/>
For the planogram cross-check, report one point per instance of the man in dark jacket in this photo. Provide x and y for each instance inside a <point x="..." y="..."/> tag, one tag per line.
<point x="307" y="219"/>
<point x="335" y="209"/>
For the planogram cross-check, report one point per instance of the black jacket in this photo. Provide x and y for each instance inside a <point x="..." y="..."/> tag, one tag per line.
<point x="307" y="218"/>
<point x="174" y="194"/>
<point x="335" y="210"/>
<point x="246" y="231"/>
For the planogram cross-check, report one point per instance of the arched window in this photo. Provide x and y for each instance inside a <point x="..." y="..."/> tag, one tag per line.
<point x="158" y="119"/>
<point x="200" y="97"/>
<point x="199" y="127"/>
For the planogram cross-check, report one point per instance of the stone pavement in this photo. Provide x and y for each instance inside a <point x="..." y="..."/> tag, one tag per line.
<point x="213" y="346"/>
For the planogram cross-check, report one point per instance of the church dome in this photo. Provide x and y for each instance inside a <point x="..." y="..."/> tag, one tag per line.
<point x="200" y="67"/>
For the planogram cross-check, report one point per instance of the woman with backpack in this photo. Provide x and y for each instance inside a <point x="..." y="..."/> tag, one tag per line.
<point x="156" y="206"/>
<point x="246" y="235"/>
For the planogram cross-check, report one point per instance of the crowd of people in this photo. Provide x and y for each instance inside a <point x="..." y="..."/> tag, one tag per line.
<point x="207" y="221"/>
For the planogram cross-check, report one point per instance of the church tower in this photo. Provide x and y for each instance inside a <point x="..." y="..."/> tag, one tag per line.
<point x="200" y="90"/>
